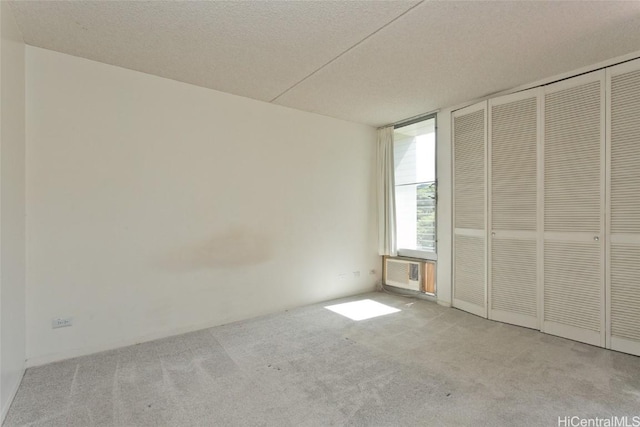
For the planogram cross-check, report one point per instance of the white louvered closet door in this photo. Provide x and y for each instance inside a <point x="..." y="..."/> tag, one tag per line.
<point x="469" y="209"/>
<point x="623" y="284"/>
<point x="513" y="213"/>
<point x="574" y="162"/>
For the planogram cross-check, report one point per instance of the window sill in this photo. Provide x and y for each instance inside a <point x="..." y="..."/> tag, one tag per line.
<point x="412" y="253"/>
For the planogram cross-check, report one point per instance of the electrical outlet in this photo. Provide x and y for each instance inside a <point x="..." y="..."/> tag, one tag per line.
<point x="61" y="322"/>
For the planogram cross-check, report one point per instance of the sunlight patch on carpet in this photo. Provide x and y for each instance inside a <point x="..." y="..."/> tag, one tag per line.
<point x="361" y="310"/>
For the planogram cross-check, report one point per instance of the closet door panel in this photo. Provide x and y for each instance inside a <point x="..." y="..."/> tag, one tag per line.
<point x="573" y="263"/>
<point x="469" y="159"/>
<point x="624" y="208"/>
<point x="513" y="281"/>
<point x="469" y="272"/>
<point x="573" y="296"/>
<point x="513" y="194"/>
<point x="625" y="297"/>
<point x="469" y="240"/>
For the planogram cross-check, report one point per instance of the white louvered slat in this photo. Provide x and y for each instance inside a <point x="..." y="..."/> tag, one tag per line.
<point x="625" y="153"/>
<point x="513" y="165"/>
<point x="469" y="270"/>
<point x="572" y="285"/>
<point x="513" y="276"/>
<point x="624" y="205"/>
<point x="573" y="268"/>
<point x="572" y="157"/>
<point x="513" y="130"/>
<point x="469" y="209"/>
<point x="625" y="291"/>
<point x="469" y="131"/>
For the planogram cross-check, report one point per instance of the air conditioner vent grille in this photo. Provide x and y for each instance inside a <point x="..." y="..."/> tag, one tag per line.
<point x="403" y="274"/>
<point x="398" y="272"/>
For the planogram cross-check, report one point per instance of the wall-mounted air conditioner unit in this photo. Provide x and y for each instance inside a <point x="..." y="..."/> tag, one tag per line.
<point x="403" y="274"/>
<point x="408" y="274"/>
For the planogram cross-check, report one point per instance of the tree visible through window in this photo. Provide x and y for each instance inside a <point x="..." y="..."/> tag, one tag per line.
<point x="426" y="216"/>
<point x="415" y="175"/>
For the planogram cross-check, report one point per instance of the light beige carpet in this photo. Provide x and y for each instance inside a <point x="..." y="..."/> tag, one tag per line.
<point x="424" y="365"/>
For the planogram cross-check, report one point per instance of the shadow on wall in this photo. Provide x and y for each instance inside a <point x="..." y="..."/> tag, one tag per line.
<point x="237" y="247"/>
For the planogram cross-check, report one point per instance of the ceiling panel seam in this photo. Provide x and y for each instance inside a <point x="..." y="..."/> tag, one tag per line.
<point x="348" y="49"/>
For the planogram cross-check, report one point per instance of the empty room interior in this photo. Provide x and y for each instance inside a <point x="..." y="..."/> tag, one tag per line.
<point x="314" y="213"/>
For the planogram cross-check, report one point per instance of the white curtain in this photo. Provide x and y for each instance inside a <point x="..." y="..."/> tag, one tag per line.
<point x="386" y="193"/>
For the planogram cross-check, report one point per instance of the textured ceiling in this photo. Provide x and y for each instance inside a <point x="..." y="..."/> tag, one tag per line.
<point x="373" y="62"/>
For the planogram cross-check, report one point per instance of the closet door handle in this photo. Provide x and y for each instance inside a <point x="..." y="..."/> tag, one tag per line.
<point x="596" y="238"/>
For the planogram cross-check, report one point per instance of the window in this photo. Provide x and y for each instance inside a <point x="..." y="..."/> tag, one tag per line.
<point x="415" y="175"/>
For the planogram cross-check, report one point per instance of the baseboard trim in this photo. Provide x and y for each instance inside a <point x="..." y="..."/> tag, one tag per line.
<point x="12" y="396"/>
<point x="85" y="351"/>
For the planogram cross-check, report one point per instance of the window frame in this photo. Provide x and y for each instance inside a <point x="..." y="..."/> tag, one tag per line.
<point x="416" y="253"/>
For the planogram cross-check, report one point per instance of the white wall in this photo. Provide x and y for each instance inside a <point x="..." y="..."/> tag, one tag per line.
<point x="156" y="207"/>
<point x="12" y="208"/>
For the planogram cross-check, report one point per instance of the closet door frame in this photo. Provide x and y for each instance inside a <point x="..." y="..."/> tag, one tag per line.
<point x="608" y="211"/>
<point x="553" y="328"/>
<point x="615" y="343"/>
<point x="540" y="214"/>
<point x="498" y="315"/>
<point x="464" y="305"/>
